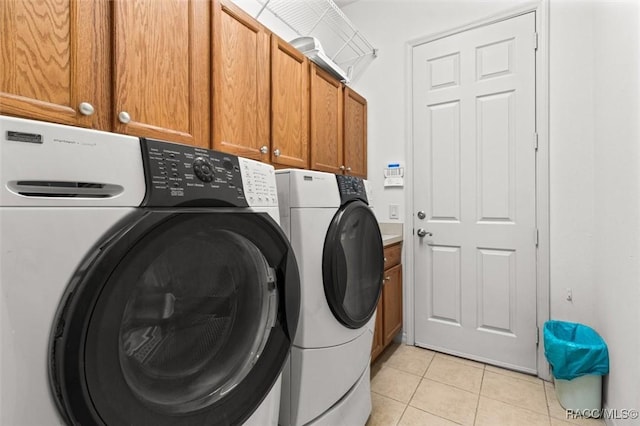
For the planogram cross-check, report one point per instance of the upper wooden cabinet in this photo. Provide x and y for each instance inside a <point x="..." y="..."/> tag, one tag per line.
<point x="54" y="61"/>
<point x="326" y="122"/>
<point x="58" y="65"/>
<point x="355" y="133"/>
<point x="200" y="72"/>
<point x="241" y="75"/>
<point x="289" y="105"/>
<point x="338" y="126"/>
<point x="161" y="69"/>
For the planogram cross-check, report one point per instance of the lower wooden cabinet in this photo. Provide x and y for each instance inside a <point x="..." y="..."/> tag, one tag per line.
<point x="389" y="312"/>
<point x="378" y="345"/>
<point x="392" y="304"/>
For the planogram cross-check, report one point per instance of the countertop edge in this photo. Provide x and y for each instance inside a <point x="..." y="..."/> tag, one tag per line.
<point x="388" y="240"/>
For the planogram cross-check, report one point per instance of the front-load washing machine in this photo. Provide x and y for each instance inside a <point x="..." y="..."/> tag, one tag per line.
<point x="338" y="245"/>
<point x="143" y="282"/>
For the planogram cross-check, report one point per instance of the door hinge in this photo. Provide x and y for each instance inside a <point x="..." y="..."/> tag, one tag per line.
<point x="535" y="141"/>
<point x="537" y="335"/>
<point x="537" y="237"/>
<point x="535" y="41"/>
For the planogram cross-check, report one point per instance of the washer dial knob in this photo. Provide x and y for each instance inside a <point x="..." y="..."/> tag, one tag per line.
<point x="203" y="169"/>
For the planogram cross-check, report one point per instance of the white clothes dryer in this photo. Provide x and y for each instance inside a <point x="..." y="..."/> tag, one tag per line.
<point x="339" y="250"/>
<point x="142" y="282"/>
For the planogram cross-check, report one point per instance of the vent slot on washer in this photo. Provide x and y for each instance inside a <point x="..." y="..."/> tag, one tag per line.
<point x="60" y="189"/>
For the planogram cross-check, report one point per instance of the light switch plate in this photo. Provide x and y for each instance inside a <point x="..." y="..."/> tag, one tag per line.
<point x="394" y="211"/>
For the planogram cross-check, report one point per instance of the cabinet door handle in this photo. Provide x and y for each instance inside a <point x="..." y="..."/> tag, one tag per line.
<point x="86" y="108"/>
<point x="124" y="117"/>
<point x="276" y="153"/>
<point x="341" y="167"/>
<point x="348" y="169"/>
<point x="264" y="149"/>
<point x="387" y="278"/>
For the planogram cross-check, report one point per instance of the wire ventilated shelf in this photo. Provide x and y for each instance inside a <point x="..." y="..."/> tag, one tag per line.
<point x="341" y="41"/>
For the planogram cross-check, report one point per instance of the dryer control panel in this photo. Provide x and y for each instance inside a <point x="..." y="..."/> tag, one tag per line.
<point x="185" y="175"/>
<point x="351" y="188"/>
<point x="259" y="180"/>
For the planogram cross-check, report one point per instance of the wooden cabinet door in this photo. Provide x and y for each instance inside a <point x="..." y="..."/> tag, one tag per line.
<point x="378" y="340"/>
<point x="289" y="105"/>
<point x="54" y="55"/>
<point x="355" y="133"/>
<point x="326" y="122"/>
<point x="161" y="69"/>
<point x="392" y="302"/>
<point x="240" y="83"/>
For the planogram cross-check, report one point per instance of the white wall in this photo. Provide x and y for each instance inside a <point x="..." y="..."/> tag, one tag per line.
<point x="571" y="151"/>
<point x="616" y="196"/>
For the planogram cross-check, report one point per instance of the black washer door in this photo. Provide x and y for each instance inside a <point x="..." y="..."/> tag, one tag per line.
<point x="353" y="264"/>
<point x="182" y="319"/>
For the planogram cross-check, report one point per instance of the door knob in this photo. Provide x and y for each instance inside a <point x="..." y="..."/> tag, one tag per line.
<point x="264" y="149"/>
<point x="423" y="233"/>
<point x="276" y="153"/>
<point x="421" y="214"/>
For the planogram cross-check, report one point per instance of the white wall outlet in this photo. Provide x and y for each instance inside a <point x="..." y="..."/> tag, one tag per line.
<point x="394" y="211"/>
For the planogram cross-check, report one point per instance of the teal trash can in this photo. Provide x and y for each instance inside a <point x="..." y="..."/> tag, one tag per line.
<point x="579" y="357"/>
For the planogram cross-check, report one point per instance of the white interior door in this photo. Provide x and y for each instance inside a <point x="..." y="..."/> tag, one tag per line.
<point x="474" y="170"/>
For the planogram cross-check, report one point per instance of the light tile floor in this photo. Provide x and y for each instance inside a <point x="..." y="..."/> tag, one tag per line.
<point x="414" y="386"/>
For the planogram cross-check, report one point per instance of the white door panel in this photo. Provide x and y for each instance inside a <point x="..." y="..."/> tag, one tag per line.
<point x="474" y="163"/>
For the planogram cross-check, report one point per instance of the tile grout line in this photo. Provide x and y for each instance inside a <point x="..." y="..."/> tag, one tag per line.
<point x="475" y="416"/>
<point x="414" y="392"/>
<point x="517" y="406"/>
<point x="514" y="377"/>
<point x="458" y="360"/>
<point x="389" y="397"/>
<point x="402" y="415"/>
<point x="416" y="389"/>
<point x="435" y="415"/>
<point x="453" y="386"/>
<point x="383" y="365"/>
<point x="546" y="399"/>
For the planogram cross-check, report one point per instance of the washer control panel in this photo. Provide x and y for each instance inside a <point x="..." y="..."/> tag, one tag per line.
<point x="186" y="175"/>
<point x="351" y="188"/>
